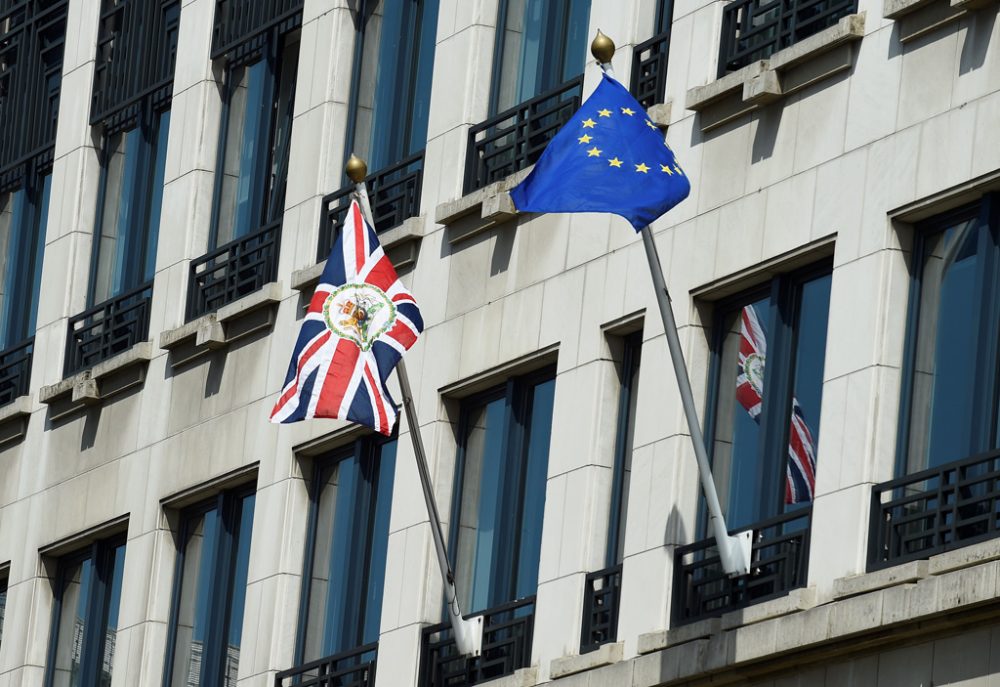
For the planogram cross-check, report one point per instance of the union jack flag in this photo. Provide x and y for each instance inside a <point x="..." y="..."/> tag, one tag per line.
<point x="800" y="471"/>
<point x="360" y="322"/>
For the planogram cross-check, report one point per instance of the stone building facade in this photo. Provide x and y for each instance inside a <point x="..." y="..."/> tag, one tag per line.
<point x="171" y="179"/>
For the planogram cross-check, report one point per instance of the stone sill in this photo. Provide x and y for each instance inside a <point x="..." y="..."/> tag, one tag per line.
<point x="248" y="315"/>
<point x="14" y="420"/>
<point x="104" y="380"/>
<point x="480" y="210"/>
<point x="604" y="655"/>
<point x="917" y="18"/>
<point x="522" y="677"/>
<point x="913" y="600"/>
<point x="813" y="59"/>
<point x="400" y="244"/>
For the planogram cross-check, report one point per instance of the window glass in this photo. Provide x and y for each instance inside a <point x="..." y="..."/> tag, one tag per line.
<point x="3" y="605"/>
<point x="765" y="421"/>
<point x="132" y="188"/>
<point x="628" y="373"/>
<point x="543" y="43"/>
<point x="207" y="619"/>
<point x="349" y="550"/>
<point x="394" y="86"/>
<point x="88" y="602"/>
<point x="502" y="473"/>
<point x="23" y="216"/>
<point x="945" y="365"/>
<point x="253" y="158"/>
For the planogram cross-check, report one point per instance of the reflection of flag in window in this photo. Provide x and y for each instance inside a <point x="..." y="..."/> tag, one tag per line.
<point x="800" y="471"/>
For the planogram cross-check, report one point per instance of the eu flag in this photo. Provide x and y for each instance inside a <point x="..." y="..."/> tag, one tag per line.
<point x="609" y="157"/>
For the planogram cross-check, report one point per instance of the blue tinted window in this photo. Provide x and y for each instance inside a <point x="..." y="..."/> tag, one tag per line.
<point x="352" y="501"/>
<point x="392" y="100"/>
<point x="768" y="357"/>
<point x="628" y="374"/>
<point x="950" y="411"/>
<point x="206" y="621"/>
<point x="85" y="616"/>
<point x="132" y="175"/>
<point x="23" y="217"/>
<point x="500" y="492"/>
<point x="541" y="44"/>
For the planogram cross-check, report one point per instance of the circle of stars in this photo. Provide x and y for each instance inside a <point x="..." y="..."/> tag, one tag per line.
<point x="594" y="151"/>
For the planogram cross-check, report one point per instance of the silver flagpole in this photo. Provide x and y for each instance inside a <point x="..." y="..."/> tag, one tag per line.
<point x="734" y="550"/>
<point x="468" y="632"/>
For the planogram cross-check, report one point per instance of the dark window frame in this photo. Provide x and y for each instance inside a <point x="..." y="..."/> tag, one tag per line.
<point x="4" y="596"/>
<point x="228" y="504"/>
<point x="101" y="553"/>
<point x="782" y="331"/>
<point x="987" y="392"/>
<point x="516" y="391"/>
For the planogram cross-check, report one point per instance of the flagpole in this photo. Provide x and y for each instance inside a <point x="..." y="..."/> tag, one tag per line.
<point x="734" y="550"/>
<point x="468" y="632"/>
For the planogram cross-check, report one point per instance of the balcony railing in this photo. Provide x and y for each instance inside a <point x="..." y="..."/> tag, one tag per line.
<point x="394" y="193"/>
<point x="233" y="270"/>
<point x="515" y="139"/>
<point x="756" y="29"/>
<point x="601" y="597"/>
<point x="354" y="668"/>
<point x="107" y="329"/>
<point x="507" y="633"/>
<point x="935" y="510"/>
<point x="778" y="564"/>
<point x="649" y="70"/>
<point x="15" y="371"/>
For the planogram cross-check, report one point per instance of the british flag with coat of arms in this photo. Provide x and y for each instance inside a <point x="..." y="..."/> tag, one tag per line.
<point x="360" y="322"/>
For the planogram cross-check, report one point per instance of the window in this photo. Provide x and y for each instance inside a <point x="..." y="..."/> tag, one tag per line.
<point x="254" y="140"/>
<point x="628" y="374"/>
<point x="3" y="603"/>
<point x="500" y="491"/>
<point x="767" y="386"/>
<point x="949" y="403"/>
<point x="128" y="221"/>
<point x="23" y="216"/>
<point x="392" y="87"/>
<point x="350" y="502"/>
<point x="540" y="44"/>
<point x="206" y="618"/>
<point x="88" y="590"/>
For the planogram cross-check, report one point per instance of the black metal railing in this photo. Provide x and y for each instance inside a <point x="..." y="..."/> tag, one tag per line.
<point x="394" y="193"/>
<point x="233" y="270"/>
<point x="354" y="668"/>
<point x="507" y="633"/>
<point x="239" y="24"/>
<point x="756" y="29"/>
<point x="107" y="329"/>
<point x="515" y="138"/>
<point x="649" y="70"/>
<point x="601" y="597"/>
<point x="32" y="39"/>
<point x="15" y="371"/>
<point x="778" y="564"/>
<point x="935" y="510"/>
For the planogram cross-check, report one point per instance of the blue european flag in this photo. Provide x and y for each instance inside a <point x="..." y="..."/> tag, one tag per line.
<point x="609" y="157"/>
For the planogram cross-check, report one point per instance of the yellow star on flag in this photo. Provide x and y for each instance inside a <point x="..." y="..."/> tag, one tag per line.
<point x="649" y="123"/>
<point x="588" y="123"/>
<point x="641" y="167"/>
<point x="615" y="162"/>
<point x="666" y="168"/>
<point x="594" y="152"/>
<point x="604" y="113"/>
<point x="678" y="169"/>
<point x="584" y="139"/>
<point x="628" y="111"/>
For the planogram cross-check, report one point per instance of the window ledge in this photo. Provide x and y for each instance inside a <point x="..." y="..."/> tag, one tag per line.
<point x="14" y="420"/>
<point x="660" y="113"/>
<point x="917" y="18"/>
<point x="104" y="380"/>
<point x="248" y="315"/>
<point x="522" y="677"/>
<point x="789" y="70"/>
<point x="400" y="244"/>
<point x="604" y="655"/>
<point x="492" y="203"/>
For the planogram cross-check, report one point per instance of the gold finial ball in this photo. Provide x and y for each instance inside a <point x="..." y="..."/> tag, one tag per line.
<point x="603" y="48"/>
<point x="356" y="169"/>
